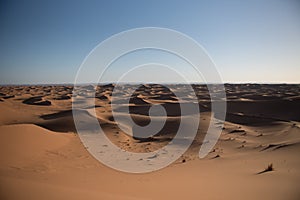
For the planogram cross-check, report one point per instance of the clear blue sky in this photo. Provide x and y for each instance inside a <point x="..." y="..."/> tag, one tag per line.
<point x="250" y="41"/>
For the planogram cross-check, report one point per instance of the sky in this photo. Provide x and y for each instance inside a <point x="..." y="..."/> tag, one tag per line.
<point x="254" y="41"/>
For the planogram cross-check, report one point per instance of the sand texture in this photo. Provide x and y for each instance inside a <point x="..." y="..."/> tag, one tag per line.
<point x="42" y="157"/>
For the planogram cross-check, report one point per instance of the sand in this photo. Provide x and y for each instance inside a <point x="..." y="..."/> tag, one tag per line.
<point x="42" y="157"/>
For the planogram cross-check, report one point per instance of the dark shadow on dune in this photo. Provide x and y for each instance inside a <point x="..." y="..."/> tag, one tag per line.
<point x="62" y="97"/>
<point x="274" y="147"/>
<point x="37" y="101"/>
<point x="8" y="96"/>
<point x="172" y="109"/>
<point x="284" y="110"/>
<point x="58" y="125"/>
<point x="63" y="121"/>
<point x="249" y="120"/>
<point x="65" y="113"/>
<point x="152" y="139"/>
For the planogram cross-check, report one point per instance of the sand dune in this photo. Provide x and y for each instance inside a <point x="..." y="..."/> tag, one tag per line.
<point x="42" y="157"/>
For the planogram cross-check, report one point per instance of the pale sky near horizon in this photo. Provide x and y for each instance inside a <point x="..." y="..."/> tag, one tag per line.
<point x="249" y="41"/>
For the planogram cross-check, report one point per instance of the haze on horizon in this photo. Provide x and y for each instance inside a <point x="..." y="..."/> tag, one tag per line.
<point x="45" y="42"/>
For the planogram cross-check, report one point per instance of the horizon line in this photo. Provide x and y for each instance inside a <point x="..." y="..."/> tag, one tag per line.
<point x="164" y="83"/>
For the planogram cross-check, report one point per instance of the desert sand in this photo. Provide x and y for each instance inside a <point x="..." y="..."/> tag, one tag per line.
<point x="42" y="157"/>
